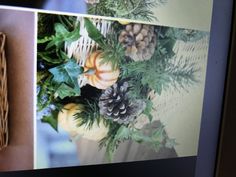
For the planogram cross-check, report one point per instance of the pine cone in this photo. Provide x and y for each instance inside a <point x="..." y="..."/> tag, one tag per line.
<point x="139" y="40"/>
<point x="116" y="105"/>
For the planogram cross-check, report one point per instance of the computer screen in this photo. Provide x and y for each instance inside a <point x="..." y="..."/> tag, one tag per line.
<point x="113" y="87"/>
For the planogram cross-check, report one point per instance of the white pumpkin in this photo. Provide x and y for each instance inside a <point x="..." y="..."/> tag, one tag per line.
<point x="100" y="75"/>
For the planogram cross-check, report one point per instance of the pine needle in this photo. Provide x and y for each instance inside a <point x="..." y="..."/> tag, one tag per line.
<point x="131" y="9"/>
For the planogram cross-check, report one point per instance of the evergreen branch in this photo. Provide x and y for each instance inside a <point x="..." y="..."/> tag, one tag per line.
<point x="155" y="138"/>
<point x="132" y="9"/>
<point x="100" y="9"/>
<point x="110" y="141"/>
<point x="182" y="75"/>
<point x="158" y="75"/>
<point x="113" y="51"/>
<point x="89" y="115"/>
<point x="45" y="39"/>
<point x="67" y="21"/>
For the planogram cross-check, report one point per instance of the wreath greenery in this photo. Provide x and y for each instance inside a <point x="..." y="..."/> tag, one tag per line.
<point x="57" y="80"/>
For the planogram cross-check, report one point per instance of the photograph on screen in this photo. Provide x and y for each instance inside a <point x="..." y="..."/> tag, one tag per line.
<point x="87" y="82"/>
<point x="113" y="91"/>
<point x="178" y="13"/>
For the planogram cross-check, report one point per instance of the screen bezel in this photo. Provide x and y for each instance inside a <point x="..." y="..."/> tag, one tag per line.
<point x="226" y="150"/>
<point x="215" y="88"/>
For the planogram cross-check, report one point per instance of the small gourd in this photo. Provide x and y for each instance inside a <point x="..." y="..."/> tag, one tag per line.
<point x="100" y="75"/>
<point x="68" y="122"/>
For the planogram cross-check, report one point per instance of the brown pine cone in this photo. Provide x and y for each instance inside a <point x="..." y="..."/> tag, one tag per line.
<point x="139" y="41"/>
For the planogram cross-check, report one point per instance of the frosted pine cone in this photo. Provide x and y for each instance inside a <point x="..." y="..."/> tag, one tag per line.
<point x="116" y="105"/>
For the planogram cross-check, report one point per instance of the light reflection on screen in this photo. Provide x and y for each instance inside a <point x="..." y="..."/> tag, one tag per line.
<point x="76" y="6"/>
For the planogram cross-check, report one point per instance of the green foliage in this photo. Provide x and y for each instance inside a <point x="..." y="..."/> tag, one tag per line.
<point x="120" y="133"/>
<point x="41" y="75"/>
<point x="186" y="35"/>
<point x="45" y="27"/>
<point x="45" y="39"/>
<point x="113" y="51"/>
<point x="63" y="35"/>
<point x="46" y="90"/>
<point x="64" y="91"/>
<point x="58" y="77"/>
<point x="64" y="29"/>
<point x="170" y="143"/>
<point x="166" y="74"/>
<point x="58" y="80"/>
<point x="52" y="57"/>
<point x="131" y="9"/>
<point x="51" y="119"/>
<point x="93" y="32"/>
<point x="89" y="115"/>
<point x="148" y="110"/>
<point x="50" y="44"/>
<point x="69" y="21"/>
<point x="67" y="74"/>
<point x="110" y="142"/>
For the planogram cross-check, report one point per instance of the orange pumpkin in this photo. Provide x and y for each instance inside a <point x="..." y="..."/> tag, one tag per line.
<point x="100" y="75"/>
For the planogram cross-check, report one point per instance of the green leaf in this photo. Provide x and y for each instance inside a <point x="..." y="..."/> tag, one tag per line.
<point x="57" y="41"/>
<point x="148" y="110"/>
<point x="51" y="119"/>
<point x="60" y="29"/>
<point x="155" y="138"/>
<point x="73" y="36"/>
<point x="63" y="35"/>
<point x="46" y="57"/>
<point x="170" y="143"/>
<point x="67" y="73"/>
<point x="110" y="150"/>
<point x="93" y="32"/>
<point x="45" y="39"/>
<point x="65" y="91"/>
<point x="63" y="55"/>
<point x="116" y="134"/>
<point x="123" y="133"/>
<point x="139" y="137"/>
<point x="41" y="75"/>
<point x="166" y="46"/>
<point x="158" y="135"/>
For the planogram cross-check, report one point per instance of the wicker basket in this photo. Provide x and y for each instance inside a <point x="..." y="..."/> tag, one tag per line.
<point x="3" y="95"/>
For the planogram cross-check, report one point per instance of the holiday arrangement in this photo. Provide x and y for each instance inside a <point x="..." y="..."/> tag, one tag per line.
<point x="97" y="78"/>
<point x="131" y="9"/>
